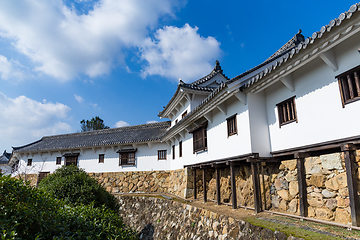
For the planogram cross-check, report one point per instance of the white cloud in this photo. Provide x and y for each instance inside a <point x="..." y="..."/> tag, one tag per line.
<point x="79" y="98"/>
<point x="10" y="69"/>
<point x="179" y="53"/>
<point x="24" y="120"/>
<point x="121" y="124"/>
<point x="151" y="122"/>
<point x="64" y="43"/>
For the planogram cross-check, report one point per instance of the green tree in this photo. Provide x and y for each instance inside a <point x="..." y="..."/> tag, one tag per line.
<point x="74" y="186"/>
<point x="95" y="123"/>
<point x="31" y="213"/>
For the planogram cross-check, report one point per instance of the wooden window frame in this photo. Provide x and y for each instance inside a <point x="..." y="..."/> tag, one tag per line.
<point x="173" y="152"/>
<point x="349" y="85"/>
<point x="58" y="160"/>
<point x="29" y="162"/>
<point x="287" y="111"/>
<point x="127" y="157"/>
<point x="180" y="149"/>
<point x="162" y="154"/>
<point x="101" y="158"/>
<point x="71" y="159"/>
<point x="200" y="138"/>
<point x="231" y="125"/>
<point x="184" y="114"/>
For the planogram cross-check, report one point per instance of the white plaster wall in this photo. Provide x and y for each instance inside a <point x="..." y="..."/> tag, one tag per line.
<point x="259" y="131"/>
<point x="146" y="160"/>
<point x="5" y="169"/>
<point x="178" y="117"/>
<point x="321" y="116"/>
<point x="219" y="144"/>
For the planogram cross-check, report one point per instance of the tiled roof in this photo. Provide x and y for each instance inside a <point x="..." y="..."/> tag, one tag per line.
<point x="107" y="137"/>
<point x="286" y="48"/>
<point x="4" y="158"/>
<point x="324" y="31"/>
<point x="217" y="69"/>
<point x="195" y="85"/>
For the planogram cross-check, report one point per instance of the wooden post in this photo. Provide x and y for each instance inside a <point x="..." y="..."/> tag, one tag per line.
<point x="194" y="182"/>
<point x="218" y="199"/>
<point x="233" y="186"/>
<point x="263" y="185"/>
<point x="204" y="184"/>
<point x="301" y="176"/>
<point x="349" y="155"/>
<point x="256" y="186"/>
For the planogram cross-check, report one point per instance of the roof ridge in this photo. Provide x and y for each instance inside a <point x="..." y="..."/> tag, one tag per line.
<point x="217" y="69"/>
<point x="295" y="41"/>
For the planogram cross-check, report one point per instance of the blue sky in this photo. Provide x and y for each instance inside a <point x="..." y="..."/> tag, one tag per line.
<point x="64" y="61"/>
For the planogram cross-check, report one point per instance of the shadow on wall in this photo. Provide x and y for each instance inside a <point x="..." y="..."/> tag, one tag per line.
<point x="147" y="233"/>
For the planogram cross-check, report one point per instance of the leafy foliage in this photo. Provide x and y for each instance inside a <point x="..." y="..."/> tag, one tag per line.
<point x="75" y="186"/>
<point x="30" y="213"/>
<point x="95" y="123"/>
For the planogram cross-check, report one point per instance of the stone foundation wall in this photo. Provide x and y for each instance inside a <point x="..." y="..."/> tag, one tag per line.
<point x="155" y="218"/>
<point x="175" y="182"/>
<point x="32" y="178"/>
<point x="327" y="190"/>
<point x="244" y="185"/>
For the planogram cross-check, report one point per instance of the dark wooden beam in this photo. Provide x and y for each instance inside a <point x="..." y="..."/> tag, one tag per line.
<point x="301" y="176"/>
<point x="263" y="185"/>
<point x="204" y="184"/>
<point x="349" y="155"/>
<point x="233" y="186"/>
<point x="256" y="187"/>
<point x="218" y="198"/>
<point x="194" y="181"/>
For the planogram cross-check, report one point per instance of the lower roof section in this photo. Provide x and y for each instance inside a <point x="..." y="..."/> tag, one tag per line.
<point x="144" y="133"/>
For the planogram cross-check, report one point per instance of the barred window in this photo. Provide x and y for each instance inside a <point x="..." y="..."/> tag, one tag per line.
<point x="58" y="161"/>
<point x="173" y="152"/>
<point x="101" y="158"/>
<point x="162" y="154"/>
<point x="231" y="125"/>
<point x="180" y="149"/>
<point x="349" y="84"/>
<point x="127" y="158"/>
<point x="29" y="162"/>
<point x="199" y="138"/>
<point x="287" y="111"/>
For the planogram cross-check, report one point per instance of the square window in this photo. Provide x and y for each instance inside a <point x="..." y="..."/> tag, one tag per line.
<point x="101" y="158"/>
<point x="29" y="162"/>
<point x="162" y="154"/>
<point x="287" y="111"/>
<point x="58" y="161"/>
<point x="231" y="125"/>
<point x="349" y="84"/>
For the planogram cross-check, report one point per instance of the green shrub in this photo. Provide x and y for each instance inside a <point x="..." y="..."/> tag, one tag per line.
<point x="75" y="186"/>
<point x="30" y="213"/>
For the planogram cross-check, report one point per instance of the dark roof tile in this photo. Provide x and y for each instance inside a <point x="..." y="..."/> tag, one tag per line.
<point x="113" y="136"/>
